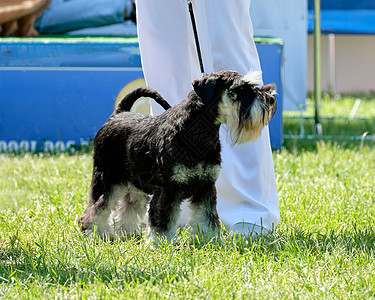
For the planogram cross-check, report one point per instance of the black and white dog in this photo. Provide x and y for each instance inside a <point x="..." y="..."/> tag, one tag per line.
<point x="173" y="157"/>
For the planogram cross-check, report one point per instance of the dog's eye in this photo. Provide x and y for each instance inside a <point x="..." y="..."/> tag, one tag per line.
<point x="272" y="100"/>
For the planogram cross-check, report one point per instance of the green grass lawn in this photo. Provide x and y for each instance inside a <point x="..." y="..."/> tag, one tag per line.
<point x="337" y="126"/>
<point x="323" y="248"/>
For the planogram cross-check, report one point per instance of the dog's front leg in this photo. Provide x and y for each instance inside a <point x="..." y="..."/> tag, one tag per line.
<point x="163" y="215"/>
<point x="204" y="216"/>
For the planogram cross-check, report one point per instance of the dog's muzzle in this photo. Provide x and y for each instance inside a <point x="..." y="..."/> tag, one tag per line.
<point x="274" y="107"/>
<point x="271" y="99"/>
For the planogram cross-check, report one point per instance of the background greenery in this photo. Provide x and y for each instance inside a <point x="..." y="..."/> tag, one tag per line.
<point x="337" y="126"/>
<point x="323" y="247"/>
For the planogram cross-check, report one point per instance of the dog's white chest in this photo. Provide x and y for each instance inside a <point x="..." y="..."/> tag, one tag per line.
<point x="183" y="174"/>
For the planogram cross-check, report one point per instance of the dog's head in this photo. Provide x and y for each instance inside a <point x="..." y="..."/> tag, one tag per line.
<point x="244" y="105"/>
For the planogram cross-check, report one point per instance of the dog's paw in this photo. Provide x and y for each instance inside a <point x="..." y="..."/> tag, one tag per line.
<point x="84" y="223"/>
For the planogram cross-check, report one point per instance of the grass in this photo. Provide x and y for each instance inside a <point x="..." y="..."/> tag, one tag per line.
<point x="324" y="246"/>
<point x="337" y="126"/>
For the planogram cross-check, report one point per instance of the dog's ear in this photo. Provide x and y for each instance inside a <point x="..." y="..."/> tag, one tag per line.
<point x="206" y="87"/>
<point x="267" y="88"/>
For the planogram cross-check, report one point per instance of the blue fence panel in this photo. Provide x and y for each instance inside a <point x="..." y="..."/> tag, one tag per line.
<point x="54" y="95"/>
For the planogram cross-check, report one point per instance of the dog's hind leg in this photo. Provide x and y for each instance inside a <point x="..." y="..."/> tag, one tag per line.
<point x="163" y="215"/>
<point x="96" y="217"/>
<point x="204" y="217"/>
<point x="129" y="215"/>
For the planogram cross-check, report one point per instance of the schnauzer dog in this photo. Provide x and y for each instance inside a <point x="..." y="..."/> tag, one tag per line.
<point x="173" y="157"/>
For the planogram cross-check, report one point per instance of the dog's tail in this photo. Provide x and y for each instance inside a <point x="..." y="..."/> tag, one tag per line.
<point x="127" y="102"/>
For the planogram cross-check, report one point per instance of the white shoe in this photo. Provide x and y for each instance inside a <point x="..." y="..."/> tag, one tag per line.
<point x="247" y="229"/>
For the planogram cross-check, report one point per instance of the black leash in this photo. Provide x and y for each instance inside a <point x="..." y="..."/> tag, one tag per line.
<point x="190" y="4"/>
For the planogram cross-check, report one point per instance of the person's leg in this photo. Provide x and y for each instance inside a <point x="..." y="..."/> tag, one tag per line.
<point x="168" y="56"/>
<point x="246" y="185"/>
<point x="226" y="35"/>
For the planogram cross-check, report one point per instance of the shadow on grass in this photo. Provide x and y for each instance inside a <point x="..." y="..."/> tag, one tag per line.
<point x="20" y="265"/>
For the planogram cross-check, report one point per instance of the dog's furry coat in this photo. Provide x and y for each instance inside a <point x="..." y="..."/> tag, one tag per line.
<point x="174" y="156"/>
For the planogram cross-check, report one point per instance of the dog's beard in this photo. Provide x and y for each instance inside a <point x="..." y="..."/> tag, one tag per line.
<point x="243" y="130"/>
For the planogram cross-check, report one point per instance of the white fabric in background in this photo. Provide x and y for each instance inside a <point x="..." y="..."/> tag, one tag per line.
<point x="246" y="185"/>
<point x="286" y="19"/>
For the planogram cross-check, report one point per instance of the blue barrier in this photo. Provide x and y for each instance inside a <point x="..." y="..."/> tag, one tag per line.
<point x="56" y="93"/>
<point x="344" y="16"/>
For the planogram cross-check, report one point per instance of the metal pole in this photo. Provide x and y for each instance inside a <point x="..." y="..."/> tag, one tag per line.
<point x="332" y="64"/>
<point x="317" y="65"/>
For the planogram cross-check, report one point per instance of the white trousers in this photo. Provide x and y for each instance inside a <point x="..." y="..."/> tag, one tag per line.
<point x="246" y="185"/>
